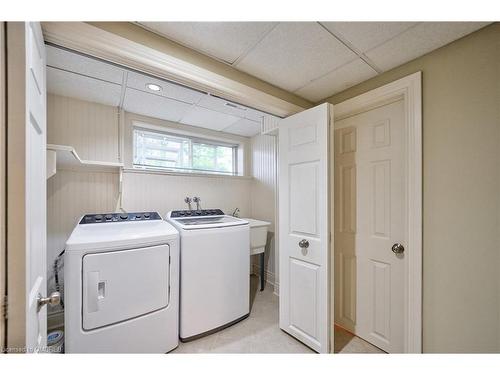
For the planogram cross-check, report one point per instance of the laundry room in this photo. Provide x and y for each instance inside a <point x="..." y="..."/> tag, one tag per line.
<point x="125" y="141"/>
<point x="249" y="187"/>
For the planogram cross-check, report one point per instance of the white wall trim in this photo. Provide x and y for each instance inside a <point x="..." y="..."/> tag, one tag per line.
<point x="94" y="41"/>
<point x="184" y="174"/>
<point x="3" y="145"/>
<point x="270" y="277"/>
<point x="410" y="90"/>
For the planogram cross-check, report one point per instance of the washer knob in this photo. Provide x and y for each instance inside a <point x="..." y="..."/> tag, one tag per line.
<point x="124" y="216"/>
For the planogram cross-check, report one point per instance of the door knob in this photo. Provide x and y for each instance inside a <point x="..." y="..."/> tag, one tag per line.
<point x="397" y="248"/>
<point x="304" y="244"/>
<point x="53" y="300"/>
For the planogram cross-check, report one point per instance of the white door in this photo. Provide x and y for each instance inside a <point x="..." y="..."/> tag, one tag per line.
<point x="304" y="226"/>
<point x="370" y="212"/>
<point x="26" y="169"/>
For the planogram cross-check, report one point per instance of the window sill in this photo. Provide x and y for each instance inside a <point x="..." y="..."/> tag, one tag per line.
<point x="183" y="174"/>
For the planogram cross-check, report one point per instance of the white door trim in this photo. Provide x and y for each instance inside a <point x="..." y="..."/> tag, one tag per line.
<point x="409" y="89"/>
<point x="91" y="40"/>
<point x="3" y="144"/>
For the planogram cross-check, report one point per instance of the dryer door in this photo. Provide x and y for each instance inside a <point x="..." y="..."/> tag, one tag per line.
<point x="121" y="285"/>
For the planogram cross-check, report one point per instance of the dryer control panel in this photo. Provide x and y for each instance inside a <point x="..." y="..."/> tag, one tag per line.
<point x="119" y="217"/>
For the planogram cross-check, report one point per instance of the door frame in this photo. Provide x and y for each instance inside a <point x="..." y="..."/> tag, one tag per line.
<point x="409" y="89"/>
<point x="3" y="144"/>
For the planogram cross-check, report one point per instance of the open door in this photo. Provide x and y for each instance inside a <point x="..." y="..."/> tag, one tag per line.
<point x="26" y="188"/>
<point x="304" y="227"/>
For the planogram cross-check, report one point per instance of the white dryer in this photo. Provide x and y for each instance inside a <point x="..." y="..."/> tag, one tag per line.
<point x="215" y="267"/>
<point x="121" y="291"/>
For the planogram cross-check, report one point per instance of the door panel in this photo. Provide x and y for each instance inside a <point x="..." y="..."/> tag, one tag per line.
<point x="303" y="212"/>
<point x="303" y="303"/>
<point x="26" y="170"/>
<point x="377" y="193"/>
<point x="36" y="185"/>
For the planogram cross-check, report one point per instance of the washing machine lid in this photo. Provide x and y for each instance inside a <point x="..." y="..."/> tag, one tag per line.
<point x="206" y="222"/>
<point x="120" y="235"/>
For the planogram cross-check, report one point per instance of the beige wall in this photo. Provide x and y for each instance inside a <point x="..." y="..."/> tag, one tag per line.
<point x="461" y="188"/>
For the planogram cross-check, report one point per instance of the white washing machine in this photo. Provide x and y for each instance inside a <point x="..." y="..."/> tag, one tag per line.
<point x="121" y="291"/>
<point x="215" y="263"/>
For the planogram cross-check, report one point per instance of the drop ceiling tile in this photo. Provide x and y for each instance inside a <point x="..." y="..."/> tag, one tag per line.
<point x="76" y="86"/>
<point x="366" y="35"/>
<point x="206" y="118"/>
<point x="223" y="40"/>
<point x="340" y="79"/>
<point x="169" y="90"/>
<point x="244" y="127"/>
<point x="154" y="105"/>
<point x="418" y="41"/>
<point x="254" y="115"/>
<point x="74" y="62"/>
<point x="294" y="53"/>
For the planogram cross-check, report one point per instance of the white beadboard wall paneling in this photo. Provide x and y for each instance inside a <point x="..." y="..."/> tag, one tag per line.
<point x="143" y="191"/>
<point x="270" y="125"/>
<point x="264" y="170"/>
<point x="91" y="128"/>
<point x="70" y="195"/>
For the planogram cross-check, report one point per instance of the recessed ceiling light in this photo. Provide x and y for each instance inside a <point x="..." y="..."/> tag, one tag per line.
<point x="153" y="87"/>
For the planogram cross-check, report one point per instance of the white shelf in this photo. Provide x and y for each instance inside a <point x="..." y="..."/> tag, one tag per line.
<point x="66" y="158"/>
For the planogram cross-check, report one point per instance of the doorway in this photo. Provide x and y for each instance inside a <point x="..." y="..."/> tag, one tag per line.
<point x="377" y="217"/>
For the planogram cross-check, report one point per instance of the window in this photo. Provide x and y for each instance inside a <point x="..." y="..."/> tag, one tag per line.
<point x="182" y="153"/>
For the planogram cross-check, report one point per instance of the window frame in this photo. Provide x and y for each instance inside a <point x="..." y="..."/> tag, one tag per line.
<point x="193" y="139"/>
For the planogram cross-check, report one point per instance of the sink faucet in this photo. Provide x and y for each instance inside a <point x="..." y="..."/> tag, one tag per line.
<point x="197" y="200"/>
<point x="236" y="212"/>
<point x="188" y="201"/>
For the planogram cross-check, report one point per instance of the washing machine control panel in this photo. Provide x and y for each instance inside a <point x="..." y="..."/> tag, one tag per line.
<point x="194" y="213"/>
<point x="119" y="217"/>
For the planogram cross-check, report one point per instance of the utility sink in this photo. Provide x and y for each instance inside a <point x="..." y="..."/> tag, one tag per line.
<point x="258" y="240"/>
<point x="258" y="235"/>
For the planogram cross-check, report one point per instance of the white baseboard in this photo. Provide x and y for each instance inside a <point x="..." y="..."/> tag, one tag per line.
<point x="270" y="277"/>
